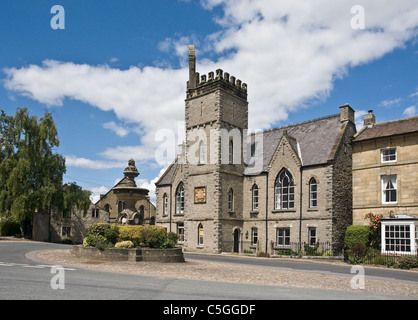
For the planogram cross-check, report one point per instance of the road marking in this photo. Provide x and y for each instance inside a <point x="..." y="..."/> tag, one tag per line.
<point x="39" y="266"/>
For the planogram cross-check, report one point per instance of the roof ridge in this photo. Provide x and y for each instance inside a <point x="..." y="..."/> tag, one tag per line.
<point x="395" y="120"/>
<point x="301" y="123"/>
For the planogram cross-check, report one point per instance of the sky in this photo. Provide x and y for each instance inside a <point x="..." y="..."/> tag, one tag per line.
<point x="113" y="73"/>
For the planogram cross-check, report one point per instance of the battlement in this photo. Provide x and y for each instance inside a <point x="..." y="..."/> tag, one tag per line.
<point x="198" y="85"/>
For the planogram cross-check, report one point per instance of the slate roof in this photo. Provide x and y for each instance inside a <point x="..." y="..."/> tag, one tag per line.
<point x="387" y="129"/>
<point x="168" y="176"/>
<point x="313" y="141"/>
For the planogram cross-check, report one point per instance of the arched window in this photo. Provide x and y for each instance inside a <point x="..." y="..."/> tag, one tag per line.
<point x="313" y="193"/>
<point x="231" y="200"/>
<point x="200" y="235"/>
<point x="202" y="153"/>
<point x="165" y="204"/>
<point x="231" y="152"/>
<point x="121" y="206"/>
<point x="284" y="191"/>
<point x="180" y="199"/>
<point x="255" y="197"/>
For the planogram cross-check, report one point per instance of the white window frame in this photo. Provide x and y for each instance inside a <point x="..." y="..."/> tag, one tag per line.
<point x="312" y="235"/>
<point x="313" y="200"/>
<point x="254" y="236"/>
<point x="180" y="199"/>
<point x="180" y="232"/>
<point x="284" y="195"/>
<point x="395" y="231"/>
<point x="385" y="156"/>
<point x="394" y="181"/>
<point x="165" y="204"/>
<point x="254" y="196"/>
<point x="284" y="235"/>
<point x="200" y="235"/>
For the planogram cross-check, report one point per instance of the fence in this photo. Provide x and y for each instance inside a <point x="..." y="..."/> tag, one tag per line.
<point x="375" y="257"/>
<point x="290" y="249"/>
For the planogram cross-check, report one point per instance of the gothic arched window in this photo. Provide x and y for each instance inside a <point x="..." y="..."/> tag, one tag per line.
<point x="180" y="199"/>
<point x="284" y="191"/>
<point x="313" y="193"/>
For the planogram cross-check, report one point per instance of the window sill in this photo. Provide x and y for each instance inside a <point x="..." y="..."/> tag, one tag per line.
<point x="283" y="210"/>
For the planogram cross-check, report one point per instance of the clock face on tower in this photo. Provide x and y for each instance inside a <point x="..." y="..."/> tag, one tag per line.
<point x="200" y="195"/>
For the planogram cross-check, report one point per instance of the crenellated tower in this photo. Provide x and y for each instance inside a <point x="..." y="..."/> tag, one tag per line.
<point x="216" y="116"/>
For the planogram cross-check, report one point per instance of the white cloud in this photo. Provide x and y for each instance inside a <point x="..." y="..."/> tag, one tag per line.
<point x="96" y="192"/>
<point x="73" y="161"/>
<point x="143" y="183"/>
<point x="288" y="52"/>
<point x="390" y="103"/>
<point x="410" y="111"/>
<point x="119" y="130"/>
<point x="359" y="118"/>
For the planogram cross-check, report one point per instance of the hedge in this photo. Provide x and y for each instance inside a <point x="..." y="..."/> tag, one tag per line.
<point x="107" y="235"/>
<point x="355" y="235"/>
<point x="131" y="233"/>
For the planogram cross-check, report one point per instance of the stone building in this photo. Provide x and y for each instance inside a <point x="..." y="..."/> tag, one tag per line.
<point x="125" y="203"/>
<point x="229" y="191"/>
<point x="385" y="178"/>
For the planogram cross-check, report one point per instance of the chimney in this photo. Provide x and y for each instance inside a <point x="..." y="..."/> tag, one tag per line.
<point x="369" y="119"/>
<point x="192" y="67"/>
<point x="346" y="114"/>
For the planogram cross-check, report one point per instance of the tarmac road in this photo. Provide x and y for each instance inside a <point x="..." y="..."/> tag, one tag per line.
<point x="24" y="279"/>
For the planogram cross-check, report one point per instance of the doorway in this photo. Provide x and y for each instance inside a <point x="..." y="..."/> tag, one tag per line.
<point x="236" y="240"/>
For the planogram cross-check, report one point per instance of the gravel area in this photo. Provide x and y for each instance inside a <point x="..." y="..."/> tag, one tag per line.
<point x="225" y="272"/>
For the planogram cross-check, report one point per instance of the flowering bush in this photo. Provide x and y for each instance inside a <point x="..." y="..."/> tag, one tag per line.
<point x="374" y="229"/>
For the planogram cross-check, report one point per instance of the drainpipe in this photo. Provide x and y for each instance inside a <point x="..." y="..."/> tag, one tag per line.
<point x="267" y="209"/>
<point x="171" y="196"/>
<point x="300" y="212"/>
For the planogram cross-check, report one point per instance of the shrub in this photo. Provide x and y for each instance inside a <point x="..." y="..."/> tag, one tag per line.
<point x="9" y="228"/>
<point x="109" y="231"/>
<point x="125" y="244"/>
<point x="112" y="233"/>
<point x="356" y="234"/>
<point x="131" y="233"/>
<point x="154" y="236"/>
<point x="97" y="241"/>
<point x="407" y="262"/>
<point x="173" y="237"/>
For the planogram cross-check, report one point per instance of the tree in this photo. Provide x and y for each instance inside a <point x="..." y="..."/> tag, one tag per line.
<point x="30" y="172"/>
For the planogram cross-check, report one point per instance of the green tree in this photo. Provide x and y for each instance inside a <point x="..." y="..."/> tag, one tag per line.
<point x="30" y="172"/>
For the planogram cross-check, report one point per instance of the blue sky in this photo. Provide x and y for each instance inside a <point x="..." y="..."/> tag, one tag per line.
<point x="116" y="75"/>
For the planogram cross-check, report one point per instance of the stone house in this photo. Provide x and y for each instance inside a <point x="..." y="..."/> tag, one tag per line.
<point x="230" y="191"/>
<point x="385" y="179"/>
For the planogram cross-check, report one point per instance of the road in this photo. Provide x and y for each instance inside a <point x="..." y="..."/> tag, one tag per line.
<point x="310" y="266"/>
<point x="24" y="279"/>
